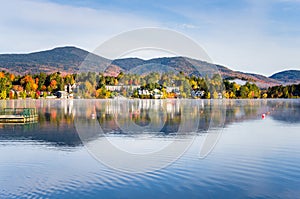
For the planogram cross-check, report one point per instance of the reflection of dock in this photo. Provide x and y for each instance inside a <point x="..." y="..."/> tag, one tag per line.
<point x="18" y="115"/>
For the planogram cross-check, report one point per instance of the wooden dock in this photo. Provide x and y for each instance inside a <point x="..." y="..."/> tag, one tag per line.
<point x="18" y="115"/>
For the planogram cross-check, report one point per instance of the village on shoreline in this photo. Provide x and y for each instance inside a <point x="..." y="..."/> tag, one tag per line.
<point x="151" y="86"/>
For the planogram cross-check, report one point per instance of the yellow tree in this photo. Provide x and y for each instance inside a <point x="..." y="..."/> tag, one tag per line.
<point x="215" y="95"/>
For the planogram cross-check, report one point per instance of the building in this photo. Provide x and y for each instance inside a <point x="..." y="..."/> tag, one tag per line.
<point x="62" y="94"/>
<point x="197" y="93"/>
<point x="144" y="92"/>
<point x="69" y="88"/>
<point x="157" y="94"/>
<point x="172" y="89"/>
<point x="120" y="87"/>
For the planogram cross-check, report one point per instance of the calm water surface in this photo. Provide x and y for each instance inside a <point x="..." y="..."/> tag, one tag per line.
<point x="252" y="158"/>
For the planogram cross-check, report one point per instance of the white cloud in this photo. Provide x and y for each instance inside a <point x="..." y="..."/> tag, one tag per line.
<point x="239" y="38"/>
<point x="31" y="25"/>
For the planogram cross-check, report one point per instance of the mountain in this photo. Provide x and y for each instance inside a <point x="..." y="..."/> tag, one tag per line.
<point x="189" y="67"/>
<point x="288" y="76"/>
<point x="74" y="60"/>
<point x="63" y="59"/>
<point x="162" y="65"/>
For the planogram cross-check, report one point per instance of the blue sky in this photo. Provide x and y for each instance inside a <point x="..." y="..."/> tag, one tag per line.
<point x="260" y="36"/>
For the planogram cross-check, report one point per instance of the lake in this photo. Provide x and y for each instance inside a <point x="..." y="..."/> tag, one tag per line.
<point x="152" y="149"/>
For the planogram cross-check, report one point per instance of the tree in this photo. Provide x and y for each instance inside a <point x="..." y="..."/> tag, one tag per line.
<point x="53" y="84"/>
<point x="42" y="80"/>
<point x="215" y="95"/>
<point x="69" y="79"/>
<point x="3" y="82"/>
<point x="28" y="83"/>
<point x="226" y="95"/>
<point x="11" y="77"/>
<point x="23" y="94"/>
<point x="207" y="96"/>
<point x="244" y="91"/>
<point x="3" y="94"/>
<point x="102" y="93"/>
<point x="265" y="95"/>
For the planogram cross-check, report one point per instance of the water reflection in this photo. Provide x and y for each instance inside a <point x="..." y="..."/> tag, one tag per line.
<point x="55" y="124"/>
<point x="254" y="158"/>
<point x="134" y="117"/>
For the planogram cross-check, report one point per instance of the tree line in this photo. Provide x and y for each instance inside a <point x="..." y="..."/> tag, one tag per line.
<point x="95" y="85"/>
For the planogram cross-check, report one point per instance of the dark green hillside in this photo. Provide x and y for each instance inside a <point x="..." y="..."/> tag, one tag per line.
<point x="288" y="76"/>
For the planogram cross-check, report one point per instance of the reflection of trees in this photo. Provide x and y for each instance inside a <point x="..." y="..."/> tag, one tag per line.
<point x="160" y="117"/>
<point x="132" y="116"/>
<point x="60" y="114"/>
<point x="241" y="110"/>
<point x="172" y="123"/>
<point x="204" y="119"/>
<point x="141" y="118"/>
<point x="286" y="111"/>
<point x="281" y="110"/>
<point x="55" y="125"/>
<point x="152" y="116"/>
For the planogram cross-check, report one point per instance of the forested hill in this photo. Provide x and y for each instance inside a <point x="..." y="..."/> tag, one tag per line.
<point x="69" y="59"/>
<point x="288" y="76"/>
<point x="63" y="59"/>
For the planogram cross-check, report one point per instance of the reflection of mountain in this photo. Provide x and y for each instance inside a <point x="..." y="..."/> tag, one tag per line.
<point x="62" y="134"/>
<point x="287" y="116"/>
<point x="242" y="111"/>
<point x="171" y="124"/>
<point x="288" y="113"/>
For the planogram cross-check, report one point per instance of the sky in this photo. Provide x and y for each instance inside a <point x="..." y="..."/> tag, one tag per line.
<point x="257" y="36"/>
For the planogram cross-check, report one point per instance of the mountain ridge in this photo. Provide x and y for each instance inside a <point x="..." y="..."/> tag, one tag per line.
<point x="69" y="59"/>
<point x="287" y="76"/>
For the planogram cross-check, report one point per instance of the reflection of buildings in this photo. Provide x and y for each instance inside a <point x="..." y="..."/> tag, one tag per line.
<point x="56" y="117"/>
<point x="161" y="115"/>
<point x="67" y="105"/>
<point x="127" y="106"/>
